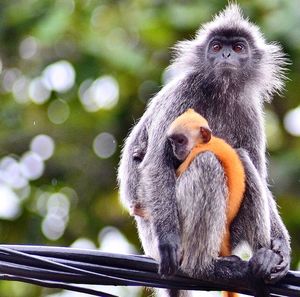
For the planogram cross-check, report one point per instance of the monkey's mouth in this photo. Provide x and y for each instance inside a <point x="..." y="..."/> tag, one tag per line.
<point x="227" y="65"/>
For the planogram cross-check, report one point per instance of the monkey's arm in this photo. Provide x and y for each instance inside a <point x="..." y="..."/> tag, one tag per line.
<point x="158" y="179"/>
<point x="280" y="246"/>
<point x="132" y="154"/>
<point x="270" y="261"/>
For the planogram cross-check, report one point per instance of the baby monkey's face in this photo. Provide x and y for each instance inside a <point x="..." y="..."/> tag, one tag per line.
<point x="185" y="138"/>
<point x="181" y="145"/>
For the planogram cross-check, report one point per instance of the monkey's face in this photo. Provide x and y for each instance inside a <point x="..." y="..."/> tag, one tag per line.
<point x="230" y="53"/>
<point x="230" y="56"/>
<point x="185" y="138"/>
<point x="181" y="145"/>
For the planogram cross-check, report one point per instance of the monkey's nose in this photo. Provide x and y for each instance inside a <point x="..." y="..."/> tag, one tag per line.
<point x="226" y="54"/>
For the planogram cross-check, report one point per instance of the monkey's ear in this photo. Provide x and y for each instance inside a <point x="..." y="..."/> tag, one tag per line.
<point x="205" y="134"/>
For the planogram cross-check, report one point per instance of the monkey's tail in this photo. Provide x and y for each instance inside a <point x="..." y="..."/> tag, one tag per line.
<point x="229" y="294"/>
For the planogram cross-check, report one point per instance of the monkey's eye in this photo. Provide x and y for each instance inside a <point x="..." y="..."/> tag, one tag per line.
<point x="238" y="47"/>
<point x="216" y="46"/>
<point x="178" y="139"/>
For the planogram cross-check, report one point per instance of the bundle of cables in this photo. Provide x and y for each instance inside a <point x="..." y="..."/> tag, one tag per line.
<point x="68" y="268"/>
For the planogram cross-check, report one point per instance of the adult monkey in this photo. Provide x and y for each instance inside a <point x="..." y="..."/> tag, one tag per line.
<point x="225" y="74"/>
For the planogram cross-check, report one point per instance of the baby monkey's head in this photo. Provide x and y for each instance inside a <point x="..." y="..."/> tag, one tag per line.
<point x="186" y="131"/>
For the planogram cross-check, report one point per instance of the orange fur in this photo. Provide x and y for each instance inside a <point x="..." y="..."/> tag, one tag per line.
<point x="233" y="169"/>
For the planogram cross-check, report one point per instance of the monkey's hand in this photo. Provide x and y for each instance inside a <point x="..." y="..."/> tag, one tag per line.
<point x="270" y="264"/>
<point x="136" y="209"/>
<point x="170" y="254"/>
<point x="281" y="269"/>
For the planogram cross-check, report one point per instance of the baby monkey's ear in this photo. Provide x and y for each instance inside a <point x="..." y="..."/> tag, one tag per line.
<point x="205" y="134"/>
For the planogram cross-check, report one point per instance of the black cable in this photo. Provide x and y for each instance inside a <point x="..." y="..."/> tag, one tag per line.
<point x="57" y="285"/>
<point x="60" y="267"/>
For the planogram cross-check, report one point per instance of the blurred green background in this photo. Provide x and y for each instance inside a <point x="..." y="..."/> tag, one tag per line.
<point x="74" y="77"/>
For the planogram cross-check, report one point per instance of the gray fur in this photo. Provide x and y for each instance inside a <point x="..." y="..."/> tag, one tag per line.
<point x="189" y="212"/>
<point x="201" y="230"/>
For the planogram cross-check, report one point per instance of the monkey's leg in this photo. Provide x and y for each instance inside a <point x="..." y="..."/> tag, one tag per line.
<point x="263" y="227"/>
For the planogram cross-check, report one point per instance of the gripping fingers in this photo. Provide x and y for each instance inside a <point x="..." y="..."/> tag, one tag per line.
<point x="263" y="262"/>
<point x="282" y="268"/>
<point x="278" y="272"/>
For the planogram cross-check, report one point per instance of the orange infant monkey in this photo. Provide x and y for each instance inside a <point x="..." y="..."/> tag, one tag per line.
<point x="190" y="135"/>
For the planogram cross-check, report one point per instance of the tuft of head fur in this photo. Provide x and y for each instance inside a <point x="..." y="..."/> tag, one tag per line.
<point x="190" y="119"/>
<point x="268" y="77"/>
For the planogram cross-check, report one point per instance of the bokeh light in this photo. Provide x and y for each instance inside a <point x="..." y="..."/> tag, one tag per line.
<point x="58" y="111"/>
<point x="113" y="241"/>
<point x="28" y="48"/>
<point x="38" y="91"/>
<point x="83" y="243"/>
<point x="53" y="226"/>
<point x="9" y="204"/>
<point x="43" y="145"/>
<point x="292" y="121"/>
<point x="59" y="76"/>
<point x="58" y="204"/>
<point x="9" y="77"/>
<point x="41" y="199"/>
<point x="20" y="89"/>
<point x="104" y="145"/>
<point x="32" y="165"/>
<point x="103" y="93"/>
<point x="57" y="216"/>
<point x="15" y="176"/>
<point x="11" y="173"/>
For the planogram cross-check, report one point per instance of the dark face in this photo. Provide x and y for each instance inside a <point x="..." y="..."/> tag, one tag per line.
<point x="180" y="146"/>
<point x="228" y="54"/>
